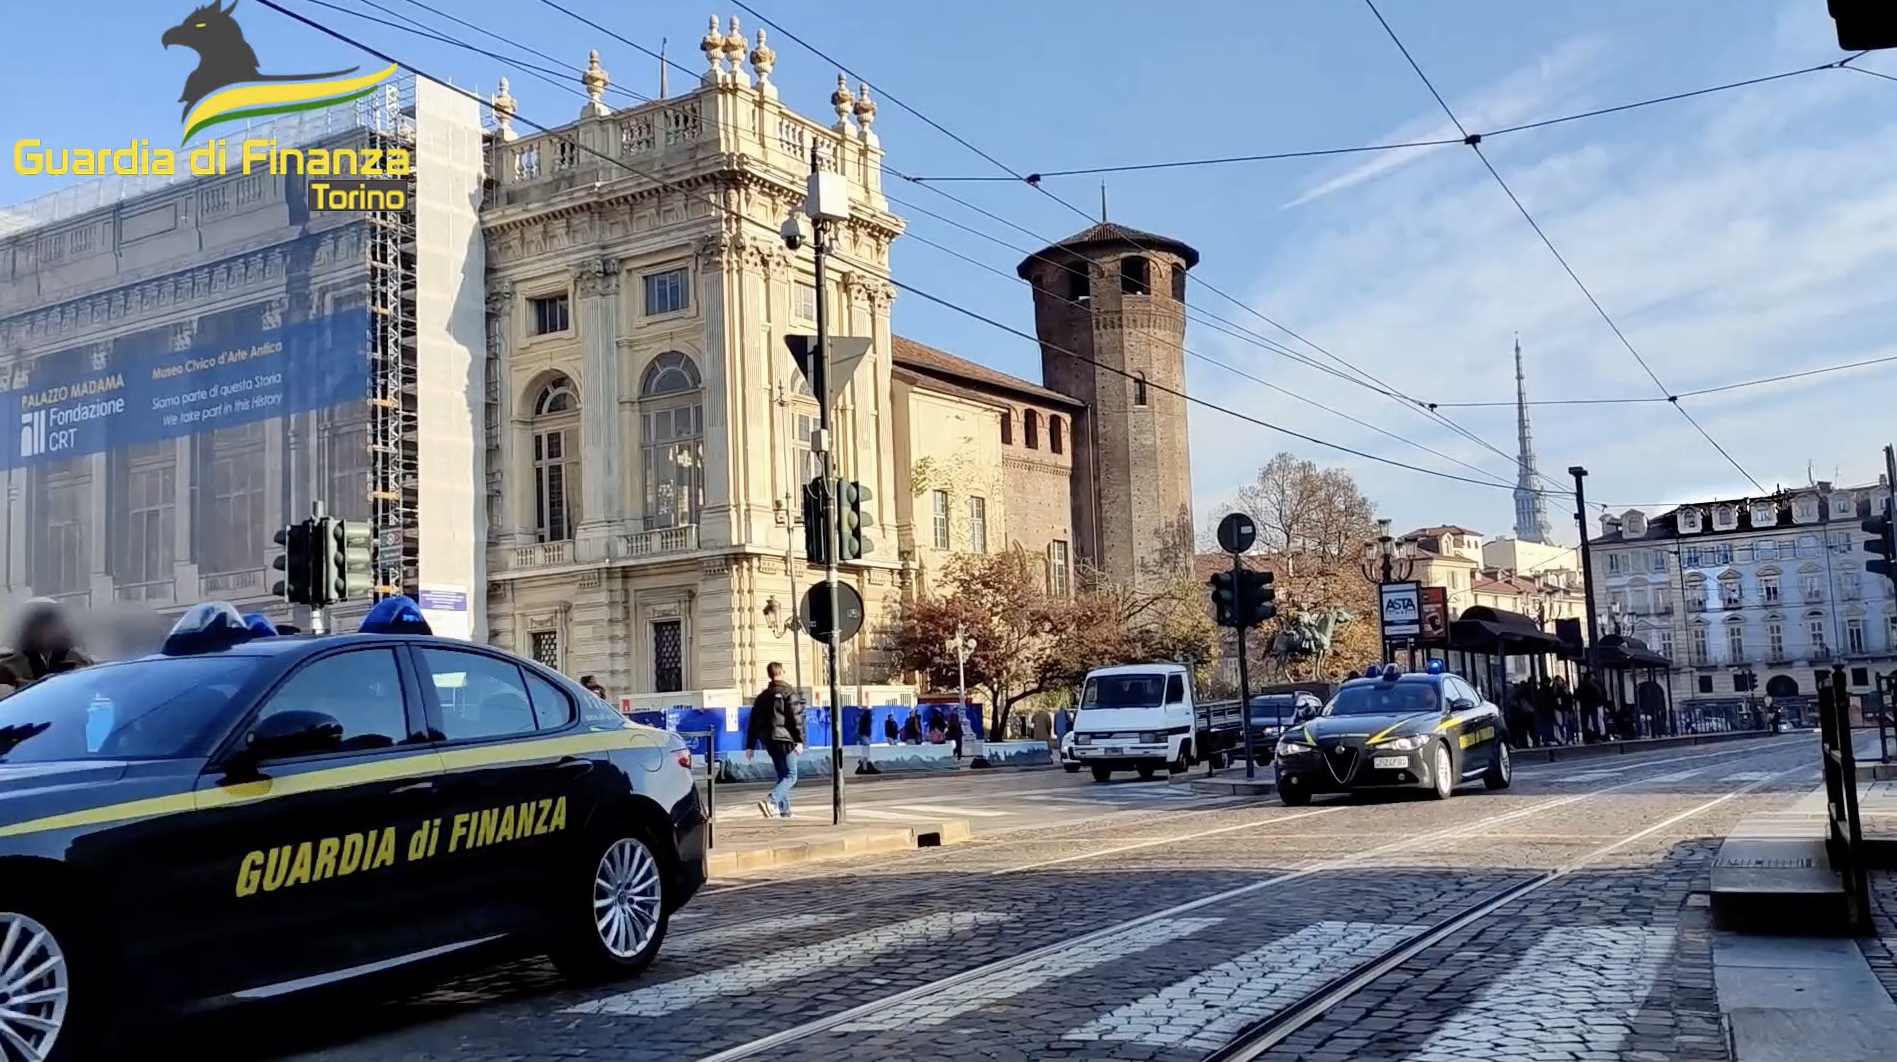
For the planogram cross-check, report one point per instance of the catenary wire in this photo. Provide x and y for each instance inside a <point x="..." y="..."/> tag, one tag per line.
<point x="1406" y="400"/>
<point x="1475" y="144"/>
<point x="1760" y="382"/>
<point x="1544" y="123"/>
<point x="577" y="145"/>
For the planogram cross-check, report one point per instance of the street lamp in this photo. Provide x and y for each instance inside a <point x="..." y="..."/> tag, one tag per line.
<point x="790" y="625"/>
<point x="1387" y="561"/>
<point x="962" y="647"/>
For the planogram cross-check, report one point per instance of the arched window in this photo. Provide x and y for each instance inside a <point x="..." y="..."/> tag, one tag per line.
<point x="1007" y="427"/>
<point x="1179" y="283"/>
<point x="1055" y="442"/>
<point x="556" y="432"/>
<point x="1135" y="276"/>
<point x="1139" y="388"/>
<point x="1031" y="429"/>
<point x="1693" y="588"/>
<point x="672" y="440"/>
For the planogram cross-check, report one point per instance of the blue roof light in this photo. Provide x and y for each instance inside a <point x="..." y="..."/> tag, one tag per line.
<point x="1390" y="672"/>
<point x="259" y="626"/>
<point x="1435" y="667"/>
<point x="207" y="628"/>
<point x="395" y="615"/>
<point x="1373" y="671"/>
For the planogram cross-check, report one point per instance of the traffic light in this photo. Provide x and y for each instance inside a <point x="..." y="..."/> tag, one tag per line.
<point x="816" y="543"/>
<point x="1257" y="600"/>
<point x="297" y="563"/>
<point x="852" y="543"/>
<point x="356" y="540"/>
<point x="1884" y="544"/>
<point x="329" y="562"/>
<point x="1224" y="598"/>
<point x="1864" y="25"/>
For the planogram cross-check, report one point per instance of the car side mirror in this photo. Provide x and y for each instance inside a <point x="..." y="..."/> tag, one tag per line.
<point x="1306" y="712"/>
<point x="285" y="735"/>
<point x="1461" y="706"/>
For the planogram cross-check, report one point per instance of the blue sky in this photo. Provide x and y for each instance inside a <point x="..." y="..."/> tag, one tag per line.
<point x="1733" y="236"/>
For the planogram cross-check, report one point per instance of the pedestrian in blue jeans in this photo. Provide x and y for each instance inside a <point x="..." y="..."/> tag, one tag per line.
<point x="777" y="726"/>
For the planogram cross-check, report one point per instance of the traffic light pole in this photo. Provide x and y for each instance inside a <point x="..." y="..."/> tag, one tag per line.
<point x="832" y="511"/>
<point x="1244" y="675"/>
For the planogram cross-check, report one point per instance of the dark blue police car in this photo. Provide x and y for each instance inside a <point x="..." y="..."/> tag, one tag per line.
<point x="245" y="815"/>
<point x="1427" y="730"/>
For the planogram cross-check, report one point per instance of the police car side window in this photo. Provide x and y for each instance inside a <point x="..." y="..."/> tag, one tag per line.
<point x="480" y="696"/>
<point x="361" y="689"/>
<point x="553" y="709"/>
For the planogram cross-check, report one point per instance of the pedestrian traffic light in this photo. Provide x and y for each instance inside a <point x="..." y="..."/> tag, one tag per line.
<point x="1224" y="598"/>
<point x="297" y="562"/>
<point x="816" y="511"/>
<point x="1257" y="600"/>
<point x="355" y="539"/>
<point x="852" y="543"/>
<point x="1884" y="545"/>
<point x="1864" y="25"/>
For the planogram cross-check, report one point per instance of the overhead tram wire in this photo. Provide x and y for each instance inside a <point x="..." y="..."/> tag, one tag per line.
<point x="1475" y="144"/>
<point x="578" y="146"/>
<point x="1544" y="123"/>
<point x="1762" y="381"/>
<point x="1406" y="400"/>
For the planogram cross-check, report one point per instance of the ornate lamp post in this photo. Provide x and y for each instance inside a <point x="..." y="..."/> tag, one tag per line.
<point x="789" y="624"/>
<point x="1386" y="561"/>
<point x="963" y="647"/>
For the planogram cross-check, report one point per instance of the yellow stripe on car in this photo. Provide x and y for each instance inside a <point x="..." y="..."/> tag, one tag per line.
<point x="423" y="761"/>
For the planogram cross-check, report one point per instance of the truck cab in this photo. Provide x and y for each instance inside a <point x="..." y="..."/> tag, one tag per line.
<point x="1136" y="717"/>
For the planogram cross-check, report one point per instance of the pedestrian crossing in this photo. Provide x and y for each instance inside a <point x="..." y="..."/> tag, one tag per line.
<point x="1578" y="989"/>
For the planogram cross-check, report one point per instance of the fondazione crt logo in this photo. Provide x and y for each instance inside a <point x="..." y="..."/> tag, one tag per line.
<point x="229" y="85"/>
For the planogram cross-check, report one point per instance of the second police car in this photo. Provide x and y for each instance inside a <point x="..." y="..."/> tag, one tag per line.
<point x="1426" y="730"/>
<point x="245" y="815"/>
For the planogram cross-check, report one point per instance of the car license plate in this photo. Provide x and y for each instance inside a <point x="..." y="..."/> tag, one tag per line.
<point x="1114" y="750"/>
<point x="1382" y="763"/>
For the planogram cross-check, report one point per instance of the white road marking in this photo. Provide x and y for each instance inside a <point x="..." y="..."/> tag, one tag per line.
<point x="950" y="810"/>
<point x="1135" y="846"/>
<point x="773" y="971"/>
<point x="1748" y="776"/>
<point x="1574" y="991"/>
<point x="1681" y="776"/>
<point x="996" y="985"/>
<point x="1205" y="1010"/>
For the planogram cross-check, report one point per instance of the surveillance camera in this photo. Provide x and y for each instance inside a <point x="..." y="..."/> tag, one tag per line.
<point x="793" y="232"/>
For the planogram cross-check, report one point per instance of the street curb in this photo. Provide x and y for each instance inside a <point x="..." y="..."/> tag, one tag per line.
<point x="1260" y="786"/>
<point x="863" y="842"/>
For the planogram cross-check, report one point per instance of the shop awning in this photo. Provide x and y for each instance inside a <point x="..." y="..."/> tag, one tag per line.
<point x="1499" y="632"/>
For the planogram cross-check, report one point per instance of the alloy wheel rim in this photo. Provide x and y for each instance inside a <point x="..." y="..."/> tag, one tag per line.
<point x="627" y="898"/>
<point x="1507" y="765"/>
<point x="1443" y="782"/>
<point x="34" y="989"/>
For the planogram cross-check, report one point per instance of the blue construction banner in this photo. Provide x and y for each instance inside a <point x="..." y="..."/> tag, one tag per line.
<point x="304" y="366"/>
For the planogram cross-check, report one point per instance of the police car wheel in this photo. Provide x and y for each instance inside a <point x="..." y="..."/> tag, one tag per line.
<point x="1502" y="771"/>
<point x="626" y="920"/>
<point x="1442" y="772"/>
<point x="1293" y="796"/>
<point x="35" y="990"/>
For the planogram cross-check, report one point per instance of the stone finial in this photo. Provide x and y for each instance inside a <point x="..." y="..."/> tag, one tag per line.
<point x="714" y="48"/>
<point x="764" y="60"/>
<point x="595" y="79"/>
<point x="504" y="108"/>
<point x="865" y="112"/>
<point x="843" y="102"/>
<point x="734" y="53"/>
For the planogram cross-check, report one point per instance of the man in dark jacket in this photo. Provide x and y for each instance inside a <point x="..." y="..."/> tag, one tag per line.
<point x="777" y="726"/>
<point x="44" y="646"/>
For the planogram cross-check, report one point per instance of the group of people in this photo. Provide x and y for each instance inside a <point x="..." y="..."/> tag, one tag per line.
<point x="1544" y="711"/>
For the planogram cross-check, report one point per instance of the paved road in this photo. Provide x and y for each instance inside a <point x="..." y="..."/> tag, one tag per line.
<point x="1158" y="933"/>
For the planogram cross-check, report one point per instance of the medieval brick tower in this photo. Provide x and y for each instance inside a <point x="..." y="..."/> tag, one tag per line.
<point x="1109" y="310"/>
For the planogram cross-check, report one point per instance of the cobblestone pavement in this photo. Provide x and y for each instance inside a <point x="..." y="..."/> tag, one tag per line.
<point x="1152" y="935"/>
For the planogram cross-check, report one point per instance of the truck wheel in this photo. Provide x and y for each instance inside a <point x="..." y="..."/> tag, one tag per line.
<point x="1072" y="768"/>
<point x="1184" y="762"/>
<point x="1146" y="771"/>
<point x="1101" y="773"/>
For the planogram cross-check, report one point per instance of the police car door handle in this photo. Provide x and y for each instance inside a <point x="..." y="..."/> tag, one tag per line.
<point x="575" y="765"/>
<point x="416" y="787"/>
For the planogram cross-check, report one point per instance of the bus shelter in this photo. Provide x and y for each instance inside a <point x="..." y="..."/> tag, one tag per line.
<point x="1483" y="640"/>
<point x="1636" y="678"/>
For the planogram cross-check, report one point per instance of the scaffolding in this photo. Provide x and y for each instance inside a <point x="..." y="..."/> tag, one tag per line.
<point x="393" y="473"/>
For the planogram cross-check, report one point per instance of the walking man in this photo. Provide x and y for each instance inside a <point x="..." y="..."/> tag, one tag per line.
<point x="777" y="724"/>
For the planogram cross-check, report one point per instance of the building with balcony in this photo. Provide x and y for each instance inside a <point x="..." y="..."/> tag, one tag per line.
<point x="187" y="363"/>
<point x="1772" y="587"/>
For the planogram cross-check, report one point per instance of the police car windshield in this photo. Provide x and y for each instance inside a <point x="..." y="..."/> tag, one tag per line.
<point x="1385" y="698"/>
<point x="1124" y="691"/>
<point x="155" y="708"/>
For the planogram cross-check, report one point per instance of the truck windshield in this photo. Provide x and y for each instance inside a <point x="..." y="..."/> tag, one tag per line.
<point x="1385" y="698"/>
<point x="155" y="708"/>
<point x="1124" y="691"/>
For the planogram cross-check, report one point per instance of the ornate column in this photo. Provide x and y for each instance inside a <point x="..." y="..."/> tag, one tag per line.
<point x="601" y="449"/>
<point x="507" y="475"/>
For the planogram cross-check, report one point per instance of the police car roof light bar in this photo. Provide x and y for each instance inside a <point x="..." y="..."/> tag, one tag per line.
<point x="395" y="615"/>
<point x="259" y="625"/>
<point x="1390" y="672"/>
<point x="207" y="628"/>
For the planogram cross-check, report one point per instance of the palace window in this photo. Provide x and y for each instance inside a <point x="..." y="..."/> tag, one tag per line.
<point x="672" y="440"/>
<point x="669" y="292"/>
<point x="550" y="314"/>
<point x="556" y="431"/>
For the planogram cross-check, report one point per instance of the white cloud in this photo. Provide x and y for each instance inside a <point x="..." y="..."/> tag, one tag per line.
<point x="1753" y="235"/>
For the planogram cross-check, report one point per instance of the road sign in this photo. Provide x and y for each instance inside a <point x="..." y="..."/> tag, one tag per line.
<point x="1237" y="533"/>
<point x="815" y="612"/>
<point x="1402" y="609"/>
